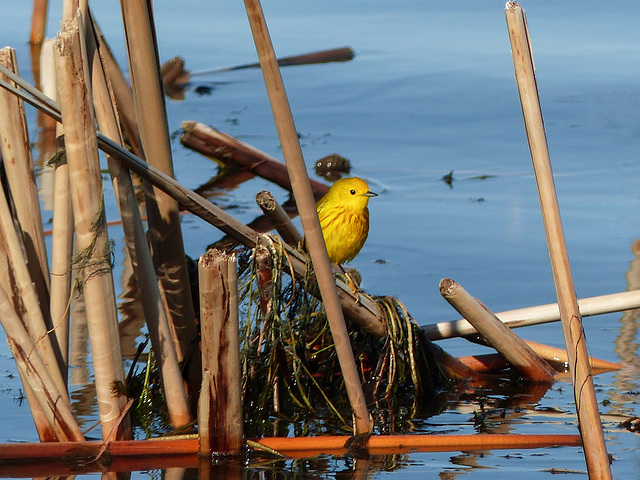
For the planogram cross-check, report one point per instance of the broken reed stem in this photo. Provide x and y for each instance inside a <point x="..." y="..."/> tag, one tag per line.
<point x="523" y="317"/>
<point x="590" y="424"/>
<point x="306" y="206"/>
<point x="60" y="202"/>
<point x="163" y="213"/>
<point x="220" y="408"/>
<point x="138" y="249"/>
<point x="279" y="218"/>
<point x="499" y="336"/>
<point x="342" y="54"/>
<point x="21" y="176"/>
<point x="61" y="254"/>
<point x="234" y="153"/>
<point x="91" y="234"/>
<point x="53" y="401"/>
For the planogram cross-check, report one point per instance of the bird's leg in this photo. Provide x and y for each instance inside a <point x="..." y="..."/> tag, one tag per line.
<point x="352" y="278"/>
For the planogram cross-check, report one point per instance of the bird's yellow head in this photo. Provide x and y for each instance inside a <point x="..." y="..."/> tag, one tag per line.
<point x="352" y="193"/>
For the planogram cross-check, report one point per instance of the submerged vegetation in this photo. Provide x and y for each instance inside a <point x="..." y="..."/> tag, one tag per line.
<point x="291" y="379"/>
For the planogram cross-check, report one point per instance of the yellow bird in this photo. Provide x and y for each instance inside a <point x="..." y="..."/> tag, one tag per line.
<point x="344" y="218"/>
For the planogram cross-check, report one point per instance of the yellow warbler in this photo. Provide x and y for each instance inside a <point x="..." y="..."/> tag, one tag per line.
<point x="344" y="218"/>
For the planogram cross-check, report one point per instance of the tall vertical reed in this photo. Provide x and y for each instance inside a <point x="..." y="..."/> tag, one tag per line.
<point x="138" y="248"/>
<point x="586" y="403"/>
<point x="93" y="258"/>
<point x="306" y="206"/>
<point x="165" y="232"/>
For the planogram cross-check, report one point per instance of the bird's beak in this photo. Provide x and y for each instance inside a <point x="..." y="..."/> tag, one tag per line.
<point x="370" y="194"/>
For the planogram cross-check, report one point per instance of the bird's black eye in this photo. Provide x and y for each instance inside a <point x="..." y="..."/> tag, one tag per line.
<point x="352" y="192"/>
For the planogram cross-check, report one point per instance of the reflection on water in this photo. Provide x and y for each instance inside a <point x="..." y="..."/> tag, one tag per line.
<point x="626" y="395"/>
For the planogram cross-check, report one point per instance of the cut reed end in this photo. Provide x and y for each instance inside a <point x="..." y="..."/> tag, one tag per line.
<point x="188" y="126"/>
<point x="512" y="6"/>
<point x="265" y="200"/>
<point x="448" y="287"/>
<point x="214" y="257"/>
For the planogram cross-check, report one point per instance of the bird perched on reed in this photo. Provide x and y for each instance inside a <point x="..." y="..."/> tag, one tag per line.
<point x="344" y="218"/>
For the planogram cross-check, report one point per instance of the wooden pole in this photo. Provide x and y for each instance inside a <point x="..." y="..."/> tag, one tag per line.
<point x="91" y="232"/>
<point x="590" y="425"/>
<point x="306" y="206"/>
<point x="165" y="233"/>
<point x="499" y="336"/>
<point x="220" y="407"/>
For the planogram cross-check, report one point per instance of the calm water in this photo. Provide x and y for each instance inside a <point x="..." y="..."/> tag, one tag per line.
<point x="430" y="91"/>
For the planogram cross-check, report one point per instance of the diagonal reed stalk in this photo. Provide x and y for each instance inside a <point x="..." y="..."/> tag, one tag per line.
<point x="306" y="206"/>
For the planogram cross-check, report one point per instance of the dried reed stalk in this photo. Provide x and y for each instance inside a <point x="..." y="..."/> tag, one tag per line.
<point x="61" y="256"/>
<point x="220" y="410"/>
<point x="232" y="152"/>
<point x="294" y="446"/>
<point x="53" y="401"/>
<point x="91" y="233"/>
<point x="307" y="208"/>
<point x="121" y="91"/>
<point x="46" y="125"/>
<point x="17" y="283"/>
<point x="499" y="336"/>
<point x="342" y="54"/>
<point x="523" y="317"/>
<point x="162" y="210"/>
<point x="20" y="172"/>
<point x="279" y="218"/>
<point x="138" y="249"/>
<point x="586" y="403"/>
<point x="38" y="22"/>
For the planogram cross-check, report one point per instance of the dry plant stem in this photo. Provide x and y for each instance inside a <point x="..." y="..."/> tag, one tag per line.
<point x="342" y="54"/>
<point x="281" y="221"/>
<point x="16" y="282"/>
<point x="22" y="181"/>
<point x="523" y="317"/>
<point x="61" y="256"/>
<point x="590" y="424"/>
<point x="165" y="233"/>
<point x="91" y="233"/>
<point x="219" y="323"/>
<point x="306" y="206"/>
<point x="295" y="446"/>
<point x="15" y="279"/>
<point x="121" y="91"/>
<point x="138" y="249"/>
<point x="232" y="152"/>
<point x="499" y="336"/>
<point x="38" y="22"/>
<point x="33" y="369"/>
